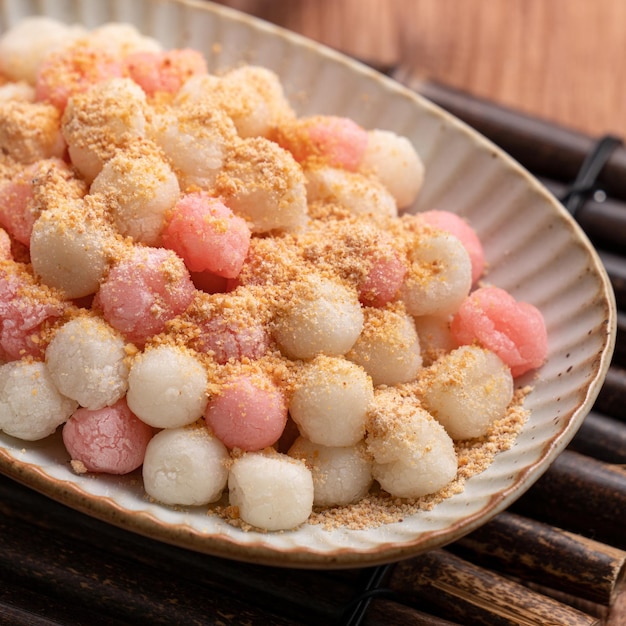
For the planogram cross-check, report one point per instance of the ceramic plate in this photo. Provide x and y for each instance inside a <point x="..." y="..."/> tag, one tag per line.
<point x="534" y="250"/>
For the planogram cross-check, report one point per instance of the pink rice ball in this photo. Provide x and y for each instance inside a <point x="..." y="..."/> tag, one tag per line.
<point x="5" y="246"/>
<point x="18" y="210"/>
<point x="145" y="290"/>
<point x="514" y="330"/>
<point x="25" y="307"/>
<point x="164" y="71"/>
<point x="384" y="279"/>
<point x="110" y="440"/>
<point x="228" y="340"/>
<point x="72" y="70"/>
<point x="207" y="235"/>
<point x="249" y="413"/>
<point x="459" y="228"/>
<point x="332" y="140"/>
<point x="15" y="209"/>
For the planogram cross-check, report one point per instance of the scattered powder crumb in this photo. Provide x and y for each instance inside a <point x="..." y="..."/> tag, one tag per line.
<point x="78" y="466"/>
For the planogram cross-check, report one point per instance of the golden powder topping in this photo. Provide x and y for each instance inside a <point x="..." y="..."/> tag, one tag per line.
<point x="29" y="131"/>
<point x="105" y="117"/>
<point x="262" y="160"/>
<point x="201" y="120"/>
<point x="55" y="185"/>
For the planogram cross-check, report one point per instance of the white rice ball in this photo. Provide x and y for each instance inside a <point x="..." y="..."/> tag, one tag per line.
<point x="467" y="390"/>
<point x="439" y="276"/>
<point x="266" y="103"/>
<point x="21" y="91"/>
<point x="323" y="316"/>
<point x="395" y="163"/>
<point x="414" y="478"/>
<point x="87" y="362"/>
<point x="122" y="39"/>
<point x="167" y="387"/>
<point x="71" y="249"/>
<point x="413" y="454"/>
<point x="29" y="131"/>
<point x="23" y="47"/>
<point x="198" y="89"/>
<point x="31" y="406"/>
<point x="435" y="336"/>
<point x="252" y="96"/>
<point x="350" y="190"/>
<point x="141" y="187"/>
<point x="272" y="491"/>
<point x="264" y="184"/>
<point x="388" y="348"/>
<point x="101" y="119"/>
<point x="195" y="140"/>
<point x="341" y="475"/>
<point x="186" y="466"/>
<point x="330" y="401"/>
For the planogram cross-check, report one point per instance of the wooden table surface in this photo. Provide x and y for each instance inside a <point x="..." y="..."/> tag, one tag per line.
<point x="558" y="59"/>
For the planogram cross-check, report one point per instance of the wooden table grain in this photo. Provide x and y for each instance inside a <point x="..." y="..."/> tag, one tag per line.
<point x="561" y="60"/>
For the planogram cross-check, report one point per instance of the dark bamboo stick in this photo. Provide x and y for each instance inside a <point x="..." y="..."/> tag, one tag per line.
<point x="590" y="608"/>
<point x="549" y="556"/>
<point x="384" y="613"/>
<point x="19" y="606"/>
<point x="619" y="355"/>
<point x="602" y="438"/>
<point x="581" y="495"/>
<point x="605" y="613"/>
<point x="611" y="400"/>
<point x="470" y="594"/>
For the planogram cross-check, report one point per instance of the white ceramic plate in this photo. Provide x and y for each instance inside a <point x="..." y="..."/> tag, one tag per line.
<point x="534" y="249"/>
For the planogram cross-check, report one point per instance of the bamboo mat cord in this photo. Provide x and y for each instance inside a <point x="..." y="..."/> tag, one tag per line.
<point x="586" y="181"/>
<point x="356" y="609"/>
<point x="601" y="217"/>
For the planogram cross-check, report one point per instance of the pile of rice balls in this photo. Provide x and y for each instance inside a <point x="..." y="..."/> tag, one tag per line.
<point x="198" y="284"/>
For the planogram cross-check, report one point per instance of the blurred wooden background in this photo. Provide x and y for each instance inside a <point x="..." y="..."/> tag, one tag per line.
<point x="562" y="60"/>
